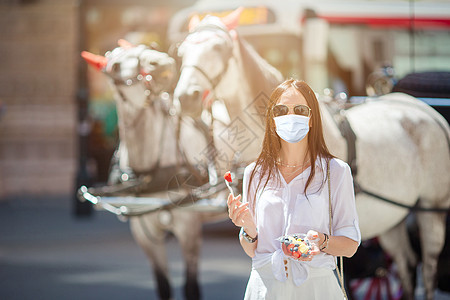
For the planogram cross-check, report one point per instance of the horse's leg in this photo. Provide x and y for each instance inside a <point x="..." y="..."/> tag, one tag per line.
<point x="151" y="238"/>
<point x="187" y="227"/>
<point x="395" y="242"/>
<point x="432" y="239"/>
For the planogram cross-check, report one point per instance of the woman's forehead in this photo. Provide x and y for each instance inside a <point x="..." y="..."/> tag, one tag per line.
<point x="292" y="96"/>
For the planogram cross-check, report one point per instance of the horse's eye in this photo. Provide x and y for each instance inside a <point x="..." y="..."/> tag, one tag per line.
<point x="115" y="67"/>
<point x="217" y="47"/>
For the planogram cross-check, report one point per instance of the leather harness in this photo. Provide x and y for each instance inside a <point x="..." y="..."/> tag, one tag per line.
<point x="350" y="137"/>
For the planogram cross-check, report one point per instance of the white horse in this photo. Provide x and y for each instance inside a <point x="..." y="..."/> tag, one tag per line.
<point x="402" y="148"/>
<point x="219" y="67"/>
<point x="163" y="152"/>
<point x="401" y="144"/>
<point x="142" y="147"/>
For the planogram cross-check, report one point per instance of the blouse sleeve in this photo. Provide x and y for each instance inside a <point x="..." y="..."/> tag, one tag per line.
<point x="345" y="218"/>
<point x="245" y="183"/>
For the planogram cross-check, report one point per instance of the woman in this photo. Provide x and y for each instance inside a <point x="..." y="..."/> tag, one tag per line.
<point x="286" y="192"/>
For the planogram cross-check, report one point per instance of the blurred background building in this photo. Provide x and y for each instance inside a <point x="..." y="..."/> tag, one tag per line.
<point x="38" y="83"/>
<point x="43" y="86"/>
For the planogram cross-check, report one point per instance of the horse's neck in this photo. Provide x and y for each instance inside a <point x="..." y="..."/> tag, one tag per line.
<point x="333" y="138"/>
<point x="233" y="94"/>
<point x="235" y="88"/>
<point x="132" y="114"/>
<point x="245" y="131"/>
<point x="147" y="135"/>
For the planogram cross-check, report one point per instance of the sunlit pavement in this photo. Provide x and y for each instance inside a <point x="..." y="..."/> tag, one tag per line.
<point x="47" y="253"/>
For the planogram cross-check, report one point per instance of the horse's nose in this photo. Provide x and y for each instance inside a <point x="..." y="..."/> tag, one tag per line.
<point x="192" y="96"/>
<point x="190" y="101"/>
<point x="195" y="95"/>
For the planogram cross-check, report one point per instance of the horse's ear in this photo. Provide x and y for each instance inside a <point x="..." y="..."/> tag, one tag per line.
<point x="233" y="34"/>
<point x="125" y="44"/>
<point x="97" y="61"/>
<point x="232" y="19"/>
<point x="193" y="22"/>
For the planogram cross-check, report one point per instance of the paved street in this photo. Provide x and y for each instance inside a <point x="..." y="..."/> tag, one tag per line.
<point x="46" y="253"/>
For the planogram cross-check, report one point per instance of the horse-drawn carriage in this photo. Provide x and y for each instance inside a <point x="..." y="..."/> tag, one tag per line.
<point x="176" y="144"/>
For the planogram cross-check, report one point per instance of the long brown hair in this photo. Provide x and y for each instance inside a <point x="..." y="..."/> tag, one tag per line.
<point x="266" y="161"/>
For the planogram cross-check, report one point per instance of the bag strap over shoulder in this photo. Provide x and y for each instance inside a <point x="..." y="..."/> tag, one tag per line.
<point x="340" y="272"/>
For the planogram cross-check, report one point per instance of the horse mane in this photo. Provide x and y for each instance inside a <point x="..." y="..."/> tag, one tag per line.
<point x="262" y="77"/>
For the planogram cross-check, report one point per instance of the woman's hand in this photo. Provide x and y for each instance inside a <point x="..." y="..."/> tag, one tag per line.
<point x="240" y="215"/>
<point x="314" y="251"/>
<point x="313" y="237"/>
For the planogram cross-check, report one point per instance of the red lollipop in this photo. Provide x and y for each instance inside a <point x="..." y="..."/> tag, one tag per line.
<point x="228" y="179"/>
<point x="227" y="176"/>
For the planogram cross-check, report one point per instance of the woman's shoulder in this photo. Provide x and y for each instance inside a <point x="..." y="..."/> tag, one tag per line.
<point x="338" y="163"/>
<point x="251" y="165"/>
<point x="339" y="166"/>
<point x="249" y="168"/>
<point x="255" y="170"/>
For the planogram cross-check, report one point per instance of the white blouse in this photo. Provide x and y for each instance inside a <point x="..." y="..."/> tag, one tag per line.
<point x="282" y="208"/>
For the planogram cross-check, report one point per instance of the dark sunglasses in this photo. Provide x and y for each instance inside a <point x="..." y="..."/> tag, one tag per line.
<point x="281" y="110"/>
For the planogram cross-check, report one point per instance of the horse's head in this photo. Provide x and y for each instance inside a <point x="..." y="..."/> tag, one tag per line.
<point x="129" y="65"/>
<point x="205" y="54"/>
<point x="139" y="75"/>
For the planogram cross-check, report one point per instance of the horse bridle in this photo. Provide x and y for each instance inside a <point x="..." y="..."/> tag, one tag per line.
<point x="167" y="113"/>
<point x="216" y="80"/>
<point x="142" y="77"/>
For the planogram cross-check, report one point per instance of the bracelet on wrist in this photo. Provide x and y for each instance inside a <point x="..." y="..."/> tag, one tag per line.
<point x="324" y="245"/>
<point x="247" y="237"/>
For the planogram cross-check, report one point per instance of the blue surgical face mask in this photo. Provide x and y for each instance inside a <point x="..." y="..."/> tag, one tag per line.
<point x="292" y="128"/>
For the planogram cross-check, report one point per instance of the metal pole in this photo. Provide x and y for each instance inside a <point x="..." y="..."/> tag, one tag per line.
<point x="84" y="126"/>
<point x="412" y="53"/>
